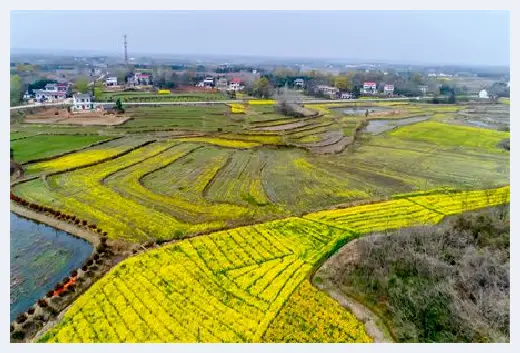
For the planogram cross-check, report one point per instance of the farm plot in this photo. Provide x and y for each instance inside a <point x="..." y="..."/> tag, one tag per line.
<point x="208" y="118"/>
<point x="240" y="181"/>
<point x="414" y="210"/>
<point x="85" y="156"/>
<point x="436" y="133"/>
<point x="42" y="146"/>
<point x="177" y="195"/>
<point x="81" y="193"/>
<point x="246" y="284"/>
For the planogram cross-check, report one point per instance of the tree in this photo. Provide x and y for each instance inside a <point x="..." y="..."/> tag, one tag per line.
<point x="119" y="106"/>
<point x="263" y="88"/>
<point x="98" y="91"/>
<point x="82" y="84"/>
<point x="342" y="82"/>
<point x="16" y="92"/>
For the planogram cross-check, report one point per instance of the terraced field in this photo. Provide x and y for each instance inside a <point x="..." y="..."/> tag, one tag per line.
<point x="256" y="200"/>
<point x="245" y="284"/>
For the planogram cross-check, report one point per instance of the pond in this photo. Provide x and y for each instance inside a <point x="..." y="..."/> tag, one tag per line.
<point x="41" y="256"/>
<point x="359" y="110"/>
<point x="376" y="127"/>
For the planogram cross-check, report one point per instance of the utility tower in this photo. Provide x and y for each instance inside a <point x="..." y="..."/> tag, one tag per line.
<point x="126" y="51"/>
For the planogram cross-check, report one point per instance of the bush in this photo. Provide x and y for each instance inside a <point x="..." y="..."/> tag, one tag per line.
<point x="50" y="294"/>
<point x="21" y="318"/>
<point x="30" y="311"/>
<point x="446" y="283"/>
<point x="42" y="303"/>
<point x="18" y="335"/>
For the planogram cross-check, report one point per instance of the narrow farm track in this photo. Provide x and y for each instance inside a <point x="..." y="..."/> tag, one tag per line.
<point x="248" y="284"/>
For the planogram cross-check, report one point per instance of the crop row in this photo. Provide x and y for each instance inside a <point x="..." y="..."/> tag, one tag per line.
<point x="225" y="287"/>
<point x="237" y="285"/>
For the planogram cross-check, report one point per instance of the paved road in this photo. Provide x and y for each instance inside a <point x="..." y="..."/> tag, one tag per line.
<point x="306" y="101"/>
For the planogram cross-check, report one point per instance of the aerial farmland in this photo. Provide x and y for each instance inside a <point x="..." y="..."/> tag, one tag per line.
<point x="222" y="213"/>
<point x="301" y="177"/>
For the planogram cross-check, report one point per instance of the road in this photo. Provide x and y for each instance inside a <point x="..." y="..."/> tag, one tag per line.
<point x="234" y="101"/>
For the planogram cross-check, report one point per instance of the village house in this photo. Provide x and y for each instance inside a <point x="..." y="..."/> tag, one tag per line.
<point x="53" y="92"/>
<point x="346" y="95"/>
<point x="142" y="79"/>
<point x="222" y="83"/>
<point x="111" y="81"/>
<point x="235" y="84"/>
<point x="329" y="91"/>
<point x="369" y="88"/>
<point x="208" y="82"/>
<point x="388" y="90"/>
<point x="82" y="103"/>
<point x="423" y="89"/>
<point x="483" y="94"/>
<point x="299" y="82"/>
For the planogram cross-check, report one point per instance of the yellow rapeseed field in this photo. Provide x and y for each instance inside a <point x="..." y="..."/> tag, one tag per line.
<point x="222" y="142"/>
<point x="261" y="101"/>
<point x="247" y="284"/>
<point x="238" y="108"/>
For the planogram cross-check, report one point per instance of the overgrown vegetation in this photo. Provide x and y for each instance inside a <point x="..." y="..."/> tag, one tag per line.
<point x="445" y="283"/>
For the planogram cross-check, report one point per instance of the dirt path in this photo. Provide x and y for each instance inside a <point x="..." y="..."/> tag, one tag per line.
<point x="373" y="324"/>
<point x="58" y="224"/>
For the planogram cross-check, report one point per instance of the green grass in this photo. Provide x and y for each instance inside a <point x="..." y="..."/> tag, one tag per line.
<point x="47" y="145"/>
<point x="452" y="135"/>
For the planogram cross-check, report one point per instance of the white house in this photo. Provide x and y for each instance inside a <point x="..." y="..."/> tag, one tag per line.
<point x="483" y="94"/>
<point x="53" y="92"/>
<point x="369" y="88"/>
<point x="111" y="81"/>
<point x="346" y="95"/>
<point x="388" y="90"/>
<point x="82" y="102"/>
<point x="299" y="82"/>
<point x="208" y="82"/>
<point x="423" y="89"/>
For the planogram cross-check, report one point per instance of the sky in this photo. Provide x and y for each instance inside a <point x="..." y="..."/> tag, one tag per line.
<point x="408" y="37"/>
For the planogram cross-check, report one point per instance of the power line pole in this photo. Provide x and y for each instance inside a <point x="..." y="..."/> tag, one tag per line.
<point x="126" y="52"/>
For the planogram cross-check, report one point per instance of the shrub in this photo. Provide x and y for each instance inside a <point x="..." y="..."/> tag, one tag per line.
<point x="74" y="273"/>
<point x="90" y="262"/>
<point x="96" y="256"/>
<point x="30" y="311"/>
<point x="21" y="318"/>
<point x="84" y="267"/>
<point x="18" y="335"/>
<point x="42" y="303"/>
<point x="84" y="222"/>
<point x="50" y="294"/>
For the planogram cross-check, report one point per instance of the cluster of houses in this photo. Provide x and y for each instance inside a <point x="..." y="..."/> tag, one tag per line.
<point x="137" y="79"/>
<point x="222" y="83"/>
<point x="369" y="88"/>
<point x="52" y="93"/>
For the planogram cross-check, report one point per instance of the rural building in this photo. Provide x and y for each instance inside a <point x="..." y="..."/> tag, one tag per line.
<point x="369" y="88"/>
<point x="82" y="103"/>
<point x="346" y="96"/>
<point x="299" y="82"/>
<point x="423" y="89"/>
<point x="53" y="92"/>
<point x="330" y="91"/>
<point x="111" y="81"/>
<point x="388" y="90"/>
<point x="483" y="94"/>
<point x="208" y="82"/>
<point x="142" y="79"/>
<point x="222" y="83"/>
<point x="235" y="84"/>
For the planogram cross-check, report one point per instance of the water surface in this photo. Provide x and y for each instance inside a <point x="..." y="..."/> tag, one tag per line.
<point x="41" y="256"/>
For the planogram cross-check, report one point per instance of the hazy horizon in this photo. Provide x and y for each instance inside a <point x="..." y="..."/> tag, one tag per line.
<point x="414" y="37"/>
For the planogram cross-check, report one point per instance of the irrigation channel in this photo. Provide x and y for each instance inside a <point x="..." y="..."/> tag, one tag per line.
<point x="40" y="257"/>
